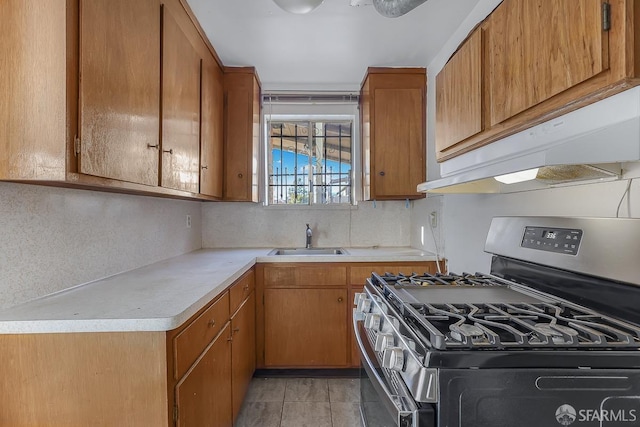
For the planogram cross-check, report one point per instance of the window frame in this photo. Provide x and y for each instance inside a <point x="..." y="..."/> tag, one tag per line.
<point x="355" y="173"/>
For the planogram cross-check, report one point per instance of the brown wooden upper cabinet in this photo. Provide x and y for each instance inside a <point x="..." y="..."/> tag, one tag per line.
<point x="211" y="130"/>
<point x="459" y="95"/>
<point x="180" y="108"/>
<point x="531" y="61"/>
<point x="393" y="114"/>
<point x="119" y="109"/>
<point x="242" y="134"/>
<point x="88" y="73"/>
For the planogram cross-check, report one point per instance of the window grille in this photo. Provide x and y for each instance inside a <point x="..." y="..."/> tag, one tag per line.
<point x="310" y="162"/>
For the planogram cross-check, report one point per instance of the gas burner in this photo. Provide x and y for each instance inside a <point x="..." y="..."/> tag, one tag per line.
<point x="438" y="279"/>
<point x="519" y="325"/>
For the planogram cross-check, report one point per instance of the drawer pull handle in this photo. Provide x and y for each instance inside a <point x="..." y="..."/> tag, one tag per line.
<point x="170" y="151"/>
<point x="153" y="146"/>
<point x="205" y="167"/>
<point x="211" y="323"/>
<point x="340" y="299"/>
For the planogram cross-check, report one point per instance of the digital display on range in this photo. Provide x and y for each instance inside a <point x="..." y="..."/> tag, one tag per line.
<point x="560" y="240"/>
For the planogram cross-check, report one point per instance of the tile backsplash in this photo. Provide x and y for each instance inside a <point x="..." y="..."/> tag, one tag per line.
<point x="56" y="238"/>
<point x="227" y="225"/>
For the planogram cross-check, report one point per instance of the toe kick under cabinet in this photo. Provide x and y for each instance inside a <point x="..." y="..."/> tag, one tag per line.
<point x="195" y="375"/>
<point x="304" y="311"/>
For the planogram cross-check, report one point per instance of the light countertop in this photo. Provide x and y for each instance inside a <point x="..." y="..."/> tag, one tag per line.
<point x="163" y="295"/>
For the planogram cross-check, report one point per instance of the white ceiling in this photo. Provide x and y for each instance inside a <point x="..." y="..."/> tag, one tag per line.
<point x="329" y="48"/>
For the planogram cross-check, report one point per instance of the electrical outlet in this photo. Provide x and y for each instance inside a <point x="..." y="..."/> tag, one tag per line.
<point x="433" y="216"/>
<point x="188" y="221"/>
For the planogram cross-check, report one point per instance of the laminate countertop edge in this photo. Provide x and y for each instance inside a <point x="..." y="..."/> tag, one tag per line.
<point x="160" y="297"/>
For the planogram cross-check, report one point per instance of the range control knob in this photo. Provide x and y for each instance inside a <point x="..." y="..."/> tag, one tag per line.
<point x="393" y="358"/>
<point x="372" y="321"/>
<point x="383" y="341"/>
<point x="392" y="321"/>
<point x="364" y="305"/>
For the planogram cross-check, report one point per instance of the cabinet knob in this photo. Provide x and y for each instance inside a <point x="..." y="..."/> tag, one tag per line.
<point x="211" y="323"/>
<point x="381" y="173"/>
<point x="153" y="146"/>
<point x="239" y="175"/>
<point x="170" y="151"/>
<point x="340" y="299"/>
<point x="204" y="167"/>
<point x="236" y="330"/>
<point x="246" y="287"/>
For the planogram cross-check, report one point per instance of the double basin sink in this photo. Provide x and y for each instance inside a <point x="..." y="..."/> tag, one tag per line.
<point x="308" y="251"/>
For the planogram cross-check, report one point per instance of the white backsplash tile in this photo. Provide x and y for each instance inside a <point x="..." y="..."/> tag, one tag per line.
<point x="253" y="225"/>
<point x="55" y="238"/>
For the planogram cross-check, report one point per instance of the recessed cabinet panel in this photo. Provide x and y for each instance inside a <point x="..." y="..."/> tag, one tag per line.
<point x="539" y="48"/>
<point x="180" y="108"/>
<point x="459" y="95"/>
<point x="120" y="89"/>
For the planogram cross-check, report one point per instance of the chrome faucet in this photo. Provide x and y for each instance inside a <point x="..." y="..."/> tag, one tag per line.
<point x="309" y="234"/>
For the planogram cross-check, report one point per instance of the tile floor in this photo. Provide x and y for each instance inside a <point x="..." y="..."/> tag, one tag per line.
<point x="301" y="402"/>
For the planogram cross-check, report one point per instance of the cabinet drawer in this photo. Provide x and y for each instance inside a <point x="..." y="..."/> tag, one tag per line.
<point x="304" y="276"/>
<point x="241" y="289"/>
<point x="360" y="274"/>
<point x="190" y="343"/>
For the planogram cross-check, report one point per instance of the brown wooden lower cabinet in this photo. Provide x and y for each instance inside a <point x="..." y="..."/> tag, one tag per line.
<point x="305" y="327"/>
<point x="243" y="350"/>
<point x="193" y="376"/>
<point x="202" y="395"/>
<point x="304" y="314"/>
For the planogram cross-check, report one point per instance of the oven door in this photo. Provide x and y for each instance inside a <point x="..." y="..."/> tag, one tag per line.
<point x="384" y="399"/>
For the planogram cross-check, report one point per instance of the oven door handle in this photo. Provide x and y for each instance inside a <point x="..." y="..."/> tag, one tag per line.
<point x="402" y="407"/>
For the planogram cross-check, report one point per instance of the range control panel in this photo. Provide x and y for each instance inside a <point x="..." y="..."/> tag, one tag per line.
<point x="560" y="240"/>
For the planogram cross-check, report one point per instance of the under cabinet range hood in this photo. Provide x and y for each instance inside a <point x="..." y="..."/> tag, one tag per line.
<point x="590" y="144"/>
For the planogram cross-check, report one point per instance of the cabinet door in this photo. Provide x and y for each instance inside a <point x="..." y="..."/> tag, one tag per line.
<point x="305" y="327"/>
<point x="242" y="124"/>
<point x="203" y="395"/>
<point x="398" y="126"/>
<point x="459" y="95"/>
<point x="243" y="350"/>
<point x="180" y="108"/>
<point x="119" y="99"/>
<point x="539" y="48"/>
<point x="211" y="137"/>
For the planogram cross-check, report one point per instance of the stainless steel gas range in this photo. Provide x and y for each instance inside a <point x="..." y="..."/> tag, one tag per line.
<point x="549" y="337"/>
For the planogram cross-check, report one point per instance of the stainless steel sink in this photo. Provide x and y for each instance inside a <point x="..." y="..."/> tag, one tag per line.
<point x="308" y="251"/>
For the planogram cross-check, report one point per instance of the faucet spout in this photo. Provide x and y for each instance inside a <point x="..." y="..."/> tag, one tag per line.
<point x="309" y="234"/>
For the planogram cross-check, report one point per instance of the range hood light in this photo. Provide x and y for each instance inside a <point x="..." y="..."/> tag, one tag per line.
<point x="512" y="178"/>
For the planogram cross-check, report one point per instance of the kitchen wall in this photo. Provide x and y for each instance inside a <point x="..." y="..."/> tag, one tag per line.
<point x="227" y="225"/>
<point x="466" y="217"/>
<point x="56" y="238"/>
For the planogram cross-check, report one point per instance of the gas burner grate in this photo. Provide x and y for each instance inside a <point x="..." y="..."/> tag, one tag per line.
<point x="437" y="279"/>
<point x="522" y="325"/>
